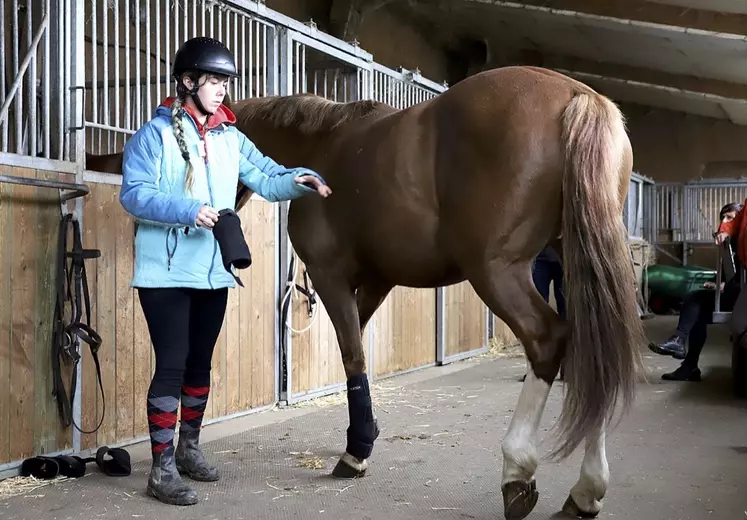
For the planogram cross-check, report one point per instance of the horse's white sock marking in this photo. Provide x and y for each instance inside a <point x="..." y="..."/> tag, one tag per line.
<point x="520" y="444"/>
<point x="354" y="463"/>
<point x="595" y="475"/>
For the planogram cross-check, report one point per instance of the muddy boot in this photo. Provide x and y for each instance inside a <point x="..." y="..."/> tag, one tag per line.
<point x="166" y="484"/>
<point x="190" y="460"/>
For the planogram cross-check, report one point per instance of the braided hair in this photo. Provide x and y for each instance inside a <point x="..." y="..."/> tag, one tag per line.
<point x="177" y="117"/>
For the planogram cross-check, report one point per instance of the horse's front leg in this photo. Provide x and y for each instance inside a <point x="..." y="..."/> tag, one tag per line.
<point x="340" y="302"/>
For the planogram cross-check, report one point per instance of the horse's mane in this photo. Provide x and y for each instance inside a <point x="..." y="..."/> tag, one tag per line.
<point x="306" y="113"/>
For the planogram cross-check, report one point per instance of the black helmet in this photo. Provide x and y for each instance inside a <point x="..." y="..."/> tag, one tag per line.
<point x="205" y="55"/>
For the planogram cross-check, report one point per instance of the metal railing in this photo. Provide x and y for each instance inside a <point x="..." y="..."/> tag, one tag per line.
<point x="87" y="74"/>
<point x="686" y="213"/>
<point x="130" y="51"/>
<point x="34" y="38"/>
<point x="638" y="207"/>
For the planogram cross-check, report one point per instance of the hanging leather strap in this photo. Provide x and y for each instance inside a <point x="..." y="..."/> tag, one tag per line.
<point x="72" y="287"/>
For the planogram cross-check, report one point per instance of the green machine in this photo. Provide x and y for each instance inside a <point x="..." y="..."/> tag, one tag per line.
<point x="668" y="285"/>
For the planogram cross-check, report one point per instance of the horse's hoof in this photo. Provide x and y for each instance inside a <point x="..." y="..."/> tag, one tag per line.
<point x="570" y="508"/>
<point x="519" y="499"/>
<point x="349" y="467"/>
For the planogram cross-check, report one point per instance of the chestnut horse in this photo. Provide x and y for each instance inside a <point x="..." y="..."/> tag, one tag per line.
<point x="471" y="185"/>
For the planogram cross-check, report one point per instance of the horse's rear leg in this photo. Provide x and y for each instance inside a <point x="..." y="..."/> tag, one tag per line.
<point x="510" y="294"/>
<point x="340" y="302"/>
<point x="586" y="495"/>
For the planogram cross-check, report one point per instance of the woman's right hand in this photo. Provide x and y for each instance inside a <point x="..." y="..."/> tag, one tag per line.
<point x="206" y="217"/>
<point x="720" y="237"/>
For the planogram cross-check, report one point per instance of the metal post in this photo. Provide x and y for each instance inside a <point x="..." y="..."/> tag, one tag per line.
<point x="76" y="10"/>
<point x="684" y="222"/>
<point x="272" y="87"/>
<point x="284" y="69"/>
<point x="440" y="325"/>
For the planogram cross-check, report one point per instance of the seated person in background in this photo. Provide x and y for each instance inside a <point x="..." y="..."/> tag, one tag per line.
<point x="696" y="315"/>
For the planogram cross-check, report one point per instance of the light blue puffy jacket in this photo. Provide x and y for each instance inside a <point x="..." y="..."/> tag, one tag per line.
<point x="170" y="250"/>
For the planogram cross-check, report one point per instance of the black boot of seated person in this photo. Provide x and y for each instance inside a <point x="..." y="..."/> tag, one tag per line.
<point x="166" y="484"/>
<point x="190" y="460"/>
<point x="674" y="346"/>
<point x="683" y="373"/>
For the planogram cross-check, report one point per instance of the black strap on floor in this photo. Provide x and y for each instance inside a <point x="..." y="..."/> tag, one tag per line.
<point x="72" y="286"/>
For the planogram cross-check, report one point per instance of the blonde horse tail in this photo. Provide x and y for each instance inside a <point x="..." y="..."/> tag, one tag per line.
<point x="605" y="330"/>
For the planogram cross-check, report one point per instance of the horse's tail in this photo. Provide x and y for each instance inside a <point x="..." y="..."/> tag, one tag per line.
<point x="605" y="330"/>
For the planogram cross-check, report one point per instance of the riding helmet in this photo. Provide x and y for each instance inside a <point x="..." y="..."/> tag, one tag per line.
<point x="205" y="55"/>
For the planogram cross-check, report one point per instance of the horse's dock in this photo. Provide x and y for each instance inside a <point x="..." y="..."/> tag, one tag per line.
<point x="680" y="455"/>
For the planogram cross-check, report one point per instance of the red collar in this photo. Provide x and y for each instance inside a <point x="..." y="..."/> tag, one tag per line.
<point x="221" y="116"/>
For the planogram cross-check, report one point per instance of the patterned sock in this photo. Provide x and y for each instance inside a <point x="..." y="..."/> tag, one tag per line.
<point x="194" y="401"/>
<point x="162" y="421"/>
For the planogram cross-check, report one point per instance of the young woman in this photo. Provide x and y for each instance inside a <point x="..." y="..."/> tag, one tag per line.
<point x="696" y="315"/>
<point x="179" y="170"/>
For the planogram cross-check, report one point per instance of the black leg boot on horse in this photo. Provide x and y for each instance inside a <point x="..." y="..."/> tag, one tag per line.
<point x="350" y="311"/>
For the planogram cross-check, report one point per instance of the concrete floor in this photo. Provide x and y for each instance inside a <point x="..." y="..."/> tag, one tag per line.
<point x="680" y="455"/>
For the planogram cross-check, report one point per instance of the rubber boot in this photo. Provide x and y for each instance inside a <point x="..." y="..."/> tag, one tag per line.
<point x="190" y="460"/>
<point x="166" y="484"/>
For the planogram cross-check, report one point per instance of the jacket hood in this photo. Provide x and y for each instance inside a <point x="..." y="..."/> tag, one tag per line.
<point x="222" y="116"/>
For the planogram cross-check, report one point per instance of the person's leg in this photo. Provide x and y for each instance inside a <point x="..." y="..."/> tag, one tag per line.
<point x="688" y="370"/>
<point x="693" y="306"/>
<point x="166" y="313"/>
<point x="206" y="319"/>
<point x="557" y="280"/>
<point x="541" y="276"/>
<point x="557" y="283"/>
<point x="738" y="323"/>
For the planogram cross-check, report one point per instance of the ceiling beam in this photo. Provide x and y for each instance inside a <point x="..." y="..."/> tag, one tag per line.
<point x="593" y="17"/>
<point x="644" y="75"/>
<point x="652" y="12"/>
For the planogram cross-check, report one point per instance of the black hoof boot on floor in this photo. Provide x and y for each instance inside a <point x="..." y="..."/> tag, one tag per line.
<point x="166" y="484"/>
<point x="683" y="373"/>
<point x="519" y="499"/>
<point x="190" y="460"/>
<point x="674" y="346"/>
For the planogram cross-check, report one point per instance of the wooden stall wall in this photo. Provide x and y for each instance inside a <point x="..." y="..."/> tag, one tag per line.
<point x="315" y="353"/>
<point x="405" y="331"/>
<point x="30" y="218"/>
<point x="465" y="320"/>
<point x="244" y="362"/>
<point x="404" y="335"/>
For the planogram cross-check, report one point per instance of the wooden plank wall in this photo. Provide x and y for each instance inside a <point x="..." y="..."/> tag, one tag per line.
<point x="465" y="319"/>
<point x="244" y="361"/>
<point x="405" y="331"/>
<point x="28" y="240"/>
<point x="315" y="354"/>
<point x="404" y="337"/>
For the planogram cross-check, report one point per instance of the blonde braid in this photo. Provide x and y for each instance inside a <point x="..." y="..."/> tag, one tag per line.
<point x="177" y="111"/>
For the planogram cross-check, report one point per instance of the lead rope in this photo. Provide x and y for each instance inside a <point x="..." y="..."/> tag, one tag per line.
<point x="292" y="288"/>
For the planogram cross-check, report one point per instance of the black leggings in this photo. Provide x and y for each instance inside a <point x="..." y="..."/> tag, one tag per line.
<point x="184" y="325"/>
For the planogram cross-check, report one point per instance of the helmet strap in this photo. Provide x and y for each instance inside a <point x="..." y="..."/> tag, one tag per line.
<point x="182" y="90"/>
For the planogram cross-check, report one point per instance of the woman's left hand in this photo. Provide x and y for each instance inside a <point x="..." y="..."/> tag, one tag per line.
<point x="314" y="182"/>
